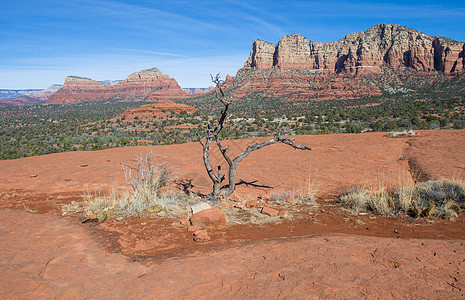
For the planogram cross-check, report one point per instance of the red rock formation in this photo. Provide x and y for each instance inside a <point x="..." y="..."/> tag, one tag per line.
<point x="159" y="109"/>
<point x="198" y="91"/>
<point x="212" y="218"/>
<point x="80" y="89"/>
<point x="150" y="85"/>
<point x="381" y="45"/>
<point x="299" y="68"/>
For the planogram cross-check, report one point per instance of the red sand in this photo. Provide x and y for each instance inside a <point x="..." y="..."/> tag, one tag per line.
<point x="332" y="254"/>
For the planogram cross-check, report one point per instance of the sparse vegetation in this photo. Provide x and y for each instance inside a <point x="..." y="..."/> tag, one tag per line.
<point x="435" y="198"/>
<point x="38" y="130"/>
<point x="151" y="194"/>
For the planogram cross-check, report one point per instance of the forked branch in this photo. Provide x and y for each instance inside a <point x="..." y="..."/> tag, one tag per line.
<point x="233" y="164"/>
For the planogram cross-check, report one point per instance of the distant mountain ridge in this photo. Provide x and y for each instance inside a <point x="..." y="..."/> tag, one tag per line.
<point x="27" y="96"/>
<point x="43" y="94"/>
<point x="198" y="91"/>
<point x="146" y="85"/>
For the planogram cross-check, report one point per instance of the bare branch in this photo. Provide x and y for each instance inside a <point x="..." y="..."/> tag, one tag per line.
<point x="223" y="151"/>
<point x="290" y="142"/>
<point x="213" y="134"/>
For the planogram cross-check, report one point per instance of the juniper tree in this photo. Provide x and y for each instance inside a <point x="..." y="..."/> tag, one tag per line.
<point x="212" y="135"/>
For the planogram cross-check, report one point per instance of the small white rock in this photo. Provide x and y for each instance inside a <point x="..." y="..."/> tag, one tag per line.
<point x="199" y="207"/>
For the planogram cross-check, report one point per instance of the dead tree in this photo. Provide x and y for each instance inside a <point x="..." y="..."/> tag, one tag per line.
<point x="213" y="135"/>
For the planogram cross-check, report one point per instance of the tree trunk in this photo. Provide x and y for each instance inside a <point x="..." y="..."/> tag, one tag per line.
<point x="213" y="134"/>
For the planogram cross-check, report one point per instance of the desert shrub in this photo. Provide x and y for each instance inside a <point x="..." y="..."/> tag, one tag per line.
<point x="306" y="195"/>
<point x="403" y="133"/>
<point x="150" y="193"/>
<point x="146" y="181"/>
<point x="309" y="192"/>
<point x="378" y="200"/>
<point x="460" y="124"/>
<point x="442" y="197"/>
<point x="353" y="127"/>
<point x="281" y="196"/>
<point x="435" y="198"/>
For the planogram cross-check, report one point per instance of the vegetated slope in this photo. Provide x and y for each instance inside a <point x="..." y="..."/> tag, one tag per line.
<point x="44" y="129"/>
<point x="385" y="59"/>
<point x="20" y="101"/>
<point x="146" y="85"/>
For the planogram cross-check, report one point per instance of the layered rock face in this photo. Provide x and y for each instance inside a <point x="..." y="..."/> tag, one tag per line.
<point x="80" y="89"/>
<point x="381" y="45"/>
<point x="291" y="85"/>
<point x="299" y="68"/>
<point x="150" y="85"/>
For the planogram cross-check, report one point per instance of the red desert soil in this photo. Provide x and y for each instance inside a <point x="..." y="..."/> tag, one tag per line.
<point x="329" y="254"/>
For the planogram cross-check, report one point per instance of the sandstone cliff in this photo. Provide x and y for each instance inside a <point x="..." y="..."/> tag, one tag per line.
<point x="149" y="85"/>
<point x="381" y="45"/>
<point x="80" y="89"/>
<point x="297" y="68"/>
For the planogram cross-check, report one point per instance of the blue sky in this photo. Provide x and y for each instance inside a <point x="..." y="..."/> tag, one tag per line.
<point x="43" y="41"/>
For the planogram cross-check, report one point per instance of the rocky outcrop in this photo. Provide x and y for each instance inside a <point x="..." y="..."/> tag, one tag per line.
<point x="159" y="109"/>
<point x="381" y="45"/>
<point x="297" y="68"/>
<point x="262" y="55"/>
<point x="149" y="85"/>
<point x="79" y="89"/>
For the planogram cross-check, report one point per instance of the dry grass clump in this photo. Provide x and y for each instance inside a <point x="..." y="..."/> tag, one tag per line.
<point x="435" y="198"/>
<point x="405" y="133"/>
<point x="146" y="181"/>
<point x="378" y="200"/>
<point x="307" y="195"/>
<point x="150" y="194"/>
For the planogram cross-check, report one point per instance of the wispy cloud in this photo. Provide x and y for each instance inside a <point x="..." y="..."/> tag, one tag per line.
<point x="139" y="14"/>
<point x="110" y="39"/>
<point x="149" y="52"/>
